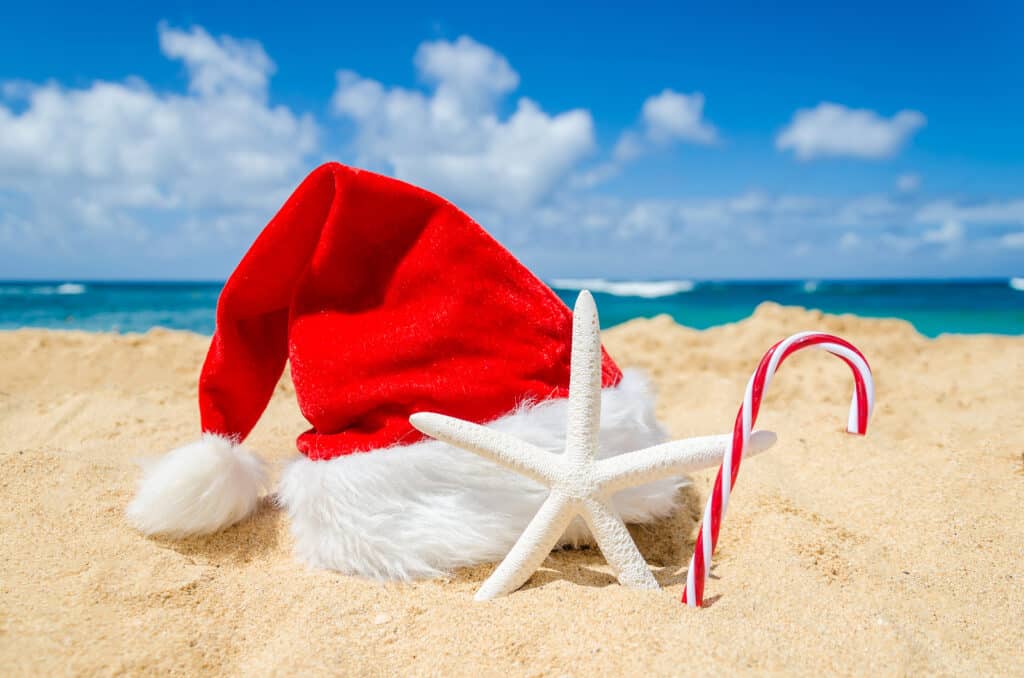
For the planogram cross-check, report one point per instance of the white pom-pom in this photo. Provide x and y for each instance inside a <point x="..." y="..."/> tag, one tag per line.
<point x="199" y="488"/>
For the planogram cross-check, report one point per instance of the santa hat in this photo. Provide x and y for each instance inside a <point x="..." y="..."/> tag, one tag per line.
<point x="386" y="300"/>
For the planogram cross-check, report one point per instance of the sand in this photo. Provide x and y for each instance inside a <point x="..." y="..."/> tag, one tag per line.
<point x="897" y="554"/>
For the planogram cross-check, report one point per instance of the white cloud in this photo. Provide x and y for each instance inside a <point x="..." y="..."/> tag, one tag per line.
<point x="949" y="233"/>
<point x="89" y="162"/>
<point x="749" y="234"/>
<point x="453" y="140"/>
<point x="1013" y="240"/>
<point x="218" y="66"/>
<point x="908" y="183"/>
<point x="671" y="116"/>
<point x="753" y="233"/>
<point x="466" y="73"/>
<point x="665" y="119"/>
<point x="122" y="175"/>
<point x="719" y="223"/>
<point x="631" y="145"/>
<point x="999" y="212"/>
<point x="834" y="130"/>
<point x="866" y="209"/>
<point x="596" y="175"/>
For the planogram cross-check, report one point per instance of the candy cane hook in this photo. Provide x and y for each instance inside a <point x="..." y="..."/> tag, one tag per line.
<point x="861" y="406"/>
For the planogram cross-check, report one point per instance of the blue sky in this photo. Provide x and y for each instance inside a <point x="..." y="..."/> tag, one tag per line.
<point x="653" y="141"/>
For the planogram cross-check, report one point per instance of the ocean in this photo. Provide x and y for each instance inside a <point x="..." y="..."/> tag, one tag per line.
<point x="934" y="307"/>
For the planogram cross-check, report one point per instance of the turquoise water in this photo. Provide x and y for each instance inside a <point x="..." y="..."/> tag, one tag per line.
<point x="934" y="307"/>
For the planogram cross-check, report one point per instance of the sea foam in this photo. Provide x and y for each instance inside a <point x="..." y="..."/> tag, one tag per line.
<point x="44" y="290"/>
<point x="70" y="288"/>
<point x="626" y="288"/>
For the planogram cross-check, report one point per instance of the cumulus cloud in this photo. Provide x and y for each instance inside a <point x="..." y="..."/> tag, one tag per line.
<point x="758" y="233"/>
<point x="114" y="158"/>
<point x="665" y="119"/>
<point x="749" y="234"/>
<point x="988" y="221"/>
<point x="703" y="233"/>
<point x="452" y="138"/>
<point x="218" y="66"/>
<point x="989" y="212"/>
<point x="718" y="223"/>
<point x="950" y="232"/>
<point x="108" y="178"/>
<point x="671" y="116"/>
<point x="465" y="72"/>
<point x="834" y="130"/>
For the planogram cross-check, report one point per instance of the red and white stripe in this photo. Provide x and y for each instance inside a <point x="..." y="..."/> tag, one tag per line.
<point x="860" y="411"/>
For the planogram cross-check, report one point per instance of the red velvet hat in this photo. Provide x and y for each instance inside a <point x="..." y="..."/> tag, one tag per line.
<point x="386" y="300"/>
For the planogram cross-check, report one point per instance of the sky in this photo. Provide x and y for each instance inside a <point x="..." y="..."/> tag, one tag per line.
<point x="654" y="141"/>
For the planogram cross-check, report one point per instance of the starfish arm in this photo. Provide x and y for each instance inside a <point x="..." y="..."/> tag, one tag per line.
<point x="671" y="459"/>
<point x="499" y="447"/>
<point x="617" y="545"/>
<point x="584" y="381"/>
<point x="533" y="546"/>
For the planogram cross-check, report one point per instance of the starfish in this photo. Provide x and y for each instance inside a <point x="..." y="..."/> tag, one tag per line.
<point x="580" y="484"/>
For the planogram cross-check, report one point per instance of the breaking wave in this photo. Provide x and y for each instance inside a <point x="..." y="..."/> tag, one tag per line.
<point x="43" y="290"/>
<point x="1017" y="284"/>
<point x="645" y="290"/>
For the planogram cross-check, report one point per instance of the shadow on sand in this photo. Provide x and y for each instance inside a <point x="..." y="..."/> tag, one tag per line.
<point x="238" y="544"/>
<point x="665" y="544"/>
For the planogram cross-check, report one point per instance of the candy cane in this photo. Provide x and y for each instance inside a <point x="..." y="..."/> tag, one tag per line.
<point x="862" y="404"/>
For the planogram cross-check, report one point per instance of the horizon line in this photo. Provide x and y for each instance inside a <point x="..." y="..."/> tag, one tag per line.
<point x="548" y="281"/>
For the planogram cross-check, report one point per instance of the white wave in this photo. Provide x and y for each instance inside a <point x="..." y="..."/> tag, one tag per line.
<point x="44" y="290"/>
<point x="70" y="288"/>
<point x="811" y="286"/>
<point x="646" y="290"/>
<point x="1017" y="284"/>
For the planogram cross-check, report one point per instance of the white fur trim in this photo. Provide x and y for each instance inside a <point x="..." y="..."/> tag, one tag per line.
<point x="198" y="488"/>
<point x="421" y="510"/>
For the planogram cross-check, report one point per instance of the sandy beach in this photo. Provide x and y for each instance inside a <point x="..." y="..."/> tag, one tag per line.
<point x="901" y="553"/>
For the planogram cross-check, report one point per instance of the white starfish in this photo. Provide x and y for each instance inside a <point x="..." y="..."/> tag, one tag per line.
<point x="580" y="484"/>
